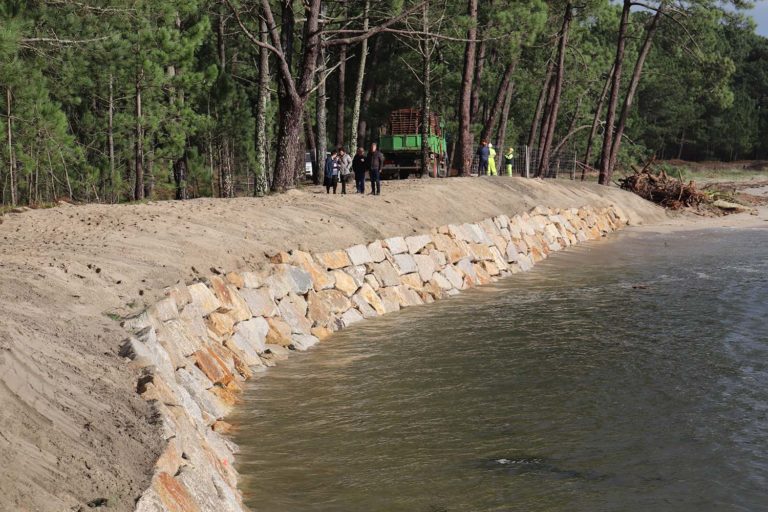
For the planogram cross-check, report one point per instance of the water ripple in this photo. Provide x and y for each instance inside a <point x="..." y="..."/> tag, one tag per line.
<point x="631" y="377"/>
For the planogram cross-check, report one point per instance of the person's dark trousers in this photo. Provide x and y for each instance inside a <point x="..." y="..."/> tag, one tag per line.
<point x="482" y="167"/>
<point x="344" y="183"/>
<point x="331" y="183"/>
<point x="375" y="182"/>
<point x="360" y="182"/>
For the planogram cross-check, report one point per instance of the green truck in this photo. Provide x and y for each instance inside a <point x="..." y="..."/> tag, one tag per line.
<point x="400" y="141"/>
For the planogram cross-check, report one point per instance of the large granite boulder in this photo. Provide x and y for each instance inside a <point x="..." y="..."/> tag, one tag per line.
<point x="203" y="298"/>
<point x="260" y="301"/>
<point x="359" y="255"/>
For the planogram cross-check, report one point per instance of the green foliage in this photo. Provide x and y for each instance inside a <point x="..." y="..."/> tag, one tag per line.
<point x="70" y="66"/>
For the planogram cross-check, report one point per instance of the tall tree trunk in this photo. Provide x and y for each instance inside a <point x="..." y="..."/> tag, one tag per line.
<point x="32" y="188"/>
<point x="368" y="92"/>
<point x="180" y="166"/>
<point x="219" y="174"/>
<point x="309" y="137"/>
<point x="288" y="146"/>
<point x="610" y="118"/>
<point x="541" y="103"/>
<point x="630" y="95"/>
<point x="464" y="148"/>
<point x="321" y="111"/>
<point x="340" y="98"/>
<point x="180" y="172"/>
<point x="499" y="101"/>
<point x="546" y="117"/>
<point x="138" y="191"/>
<point x="149" y="176"/>
<point x="222" y="170"/>
<point x="52" y="187"/>
<point x="11" y="153"/>
<point x="288" y="23"/>
<point x="354" y="137"/>
<point x="221" y="45"/>
<point x="66" y="174"/>
<point x="595" y="124"/>
<point x="261" y="178"/>
<point x="477" y="82"/>
<point x="501" y="137"/>
<point x="230" y="176"/>
<point x="294" y="102"/>
<point x="426" y="69"/>
<point x="425" y="124"/>
<point x="111" y="141"/>
<point x="552" y="123"/>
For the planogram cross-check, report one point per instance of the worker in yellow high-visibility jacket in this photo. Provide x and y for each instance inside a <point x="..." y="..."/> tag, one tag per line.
<point x="509" y="158"/>
<point x="492" y="161"/>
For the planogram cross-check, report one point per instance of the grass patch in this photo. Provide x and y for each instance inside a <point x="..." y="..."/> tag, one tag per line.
<point x="701" y="172"/>
<point x="113" y="316"/>
<point x="705" y="174"/>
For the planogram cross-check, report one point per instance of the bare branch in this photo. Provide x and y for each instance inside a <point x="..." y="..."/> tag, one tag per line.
<point x="88" y="7"/>
<point x="55" y="40"/>
<point x="416" y="73"/>
<point x="325" y="76"/>
<point x="275" y="47"/>
<point x="375" y="30"/>
<point x="426" y="35"/>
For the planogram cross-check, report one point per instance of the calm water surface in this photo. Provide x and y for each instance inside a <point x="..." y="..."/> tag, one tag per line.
<point x="563" y="389"/>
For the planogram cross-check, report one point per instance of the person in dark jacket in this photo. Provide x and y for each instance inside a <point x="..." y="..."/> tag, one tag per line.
<point x="373" y="164"/>
<point x="358" y="167"/>
<point x="483" y="155"/>
<point x="331" y="174"/>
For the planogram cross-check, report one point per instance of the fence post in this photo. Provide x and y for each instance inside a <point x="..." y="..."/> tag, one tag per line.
<point x="527" y="161"/>
<point x="573" y="167"/>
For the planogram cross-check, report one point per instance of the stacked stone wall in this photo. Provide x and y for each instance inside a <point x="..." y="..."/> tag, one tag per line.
<point x="198" y="345"/>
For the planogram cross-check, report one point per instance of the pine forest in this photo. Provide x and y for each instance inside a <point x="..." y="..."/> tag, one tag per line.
<point x="128" y="100"/>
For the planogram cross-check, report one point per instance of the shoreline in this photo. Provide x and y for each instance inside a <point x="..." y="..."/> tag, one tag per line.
<point x="292" y="453"/>
<point x="70" y="272"/>
<point x="758" y="218"/>
<point x="196" y="346"/>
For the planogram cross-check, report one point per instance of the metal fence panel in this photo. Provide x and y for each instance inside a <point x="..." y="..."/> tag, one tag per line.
<point x="526" y="161"/>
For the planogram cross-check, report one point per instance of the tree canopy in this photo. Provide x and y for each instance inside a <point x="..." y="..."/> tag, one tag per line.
<point x="121" y="100"/>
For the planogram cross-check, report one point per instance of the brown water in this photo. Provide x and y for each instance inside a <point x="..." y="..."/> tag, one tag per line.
<point x="563" y="389"/>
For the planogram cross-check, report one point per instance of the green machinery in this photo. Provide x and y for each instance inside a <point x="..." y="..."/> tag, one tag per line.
<point x="401" y="144"/>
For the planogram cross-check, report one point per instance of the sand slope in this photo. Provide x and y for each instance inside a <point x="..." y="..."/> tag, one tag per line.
<point x="71" y="428"/>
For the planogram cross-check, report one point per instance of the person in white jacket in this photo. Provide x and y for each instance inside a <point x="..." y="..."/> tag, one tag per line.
<point x="345" y="168"/>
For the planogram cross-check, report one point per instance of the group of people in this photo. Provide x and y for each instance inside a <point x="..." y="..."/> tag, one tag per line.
<point x="486" y="158"/>
<point x="339" y="166"/>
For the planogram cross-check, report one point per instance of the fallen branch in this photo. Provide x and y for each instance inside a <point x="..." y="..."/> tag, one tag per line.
<point x="661" y="189"/>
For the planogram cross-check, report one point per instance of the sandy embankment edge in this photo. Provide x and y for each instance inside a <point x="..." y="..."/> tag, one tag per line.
<point x="198" y="343"/>
<point x="73" y="428"/>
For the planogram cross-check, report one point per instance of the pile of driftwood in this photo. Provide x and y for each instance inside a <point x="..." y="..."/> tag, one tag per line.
<point x="656" y="186"/>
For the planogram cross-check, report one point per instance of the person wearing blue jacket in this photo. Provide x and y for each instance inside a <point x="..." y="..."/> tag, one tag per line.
<point x="331" y="174"/>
